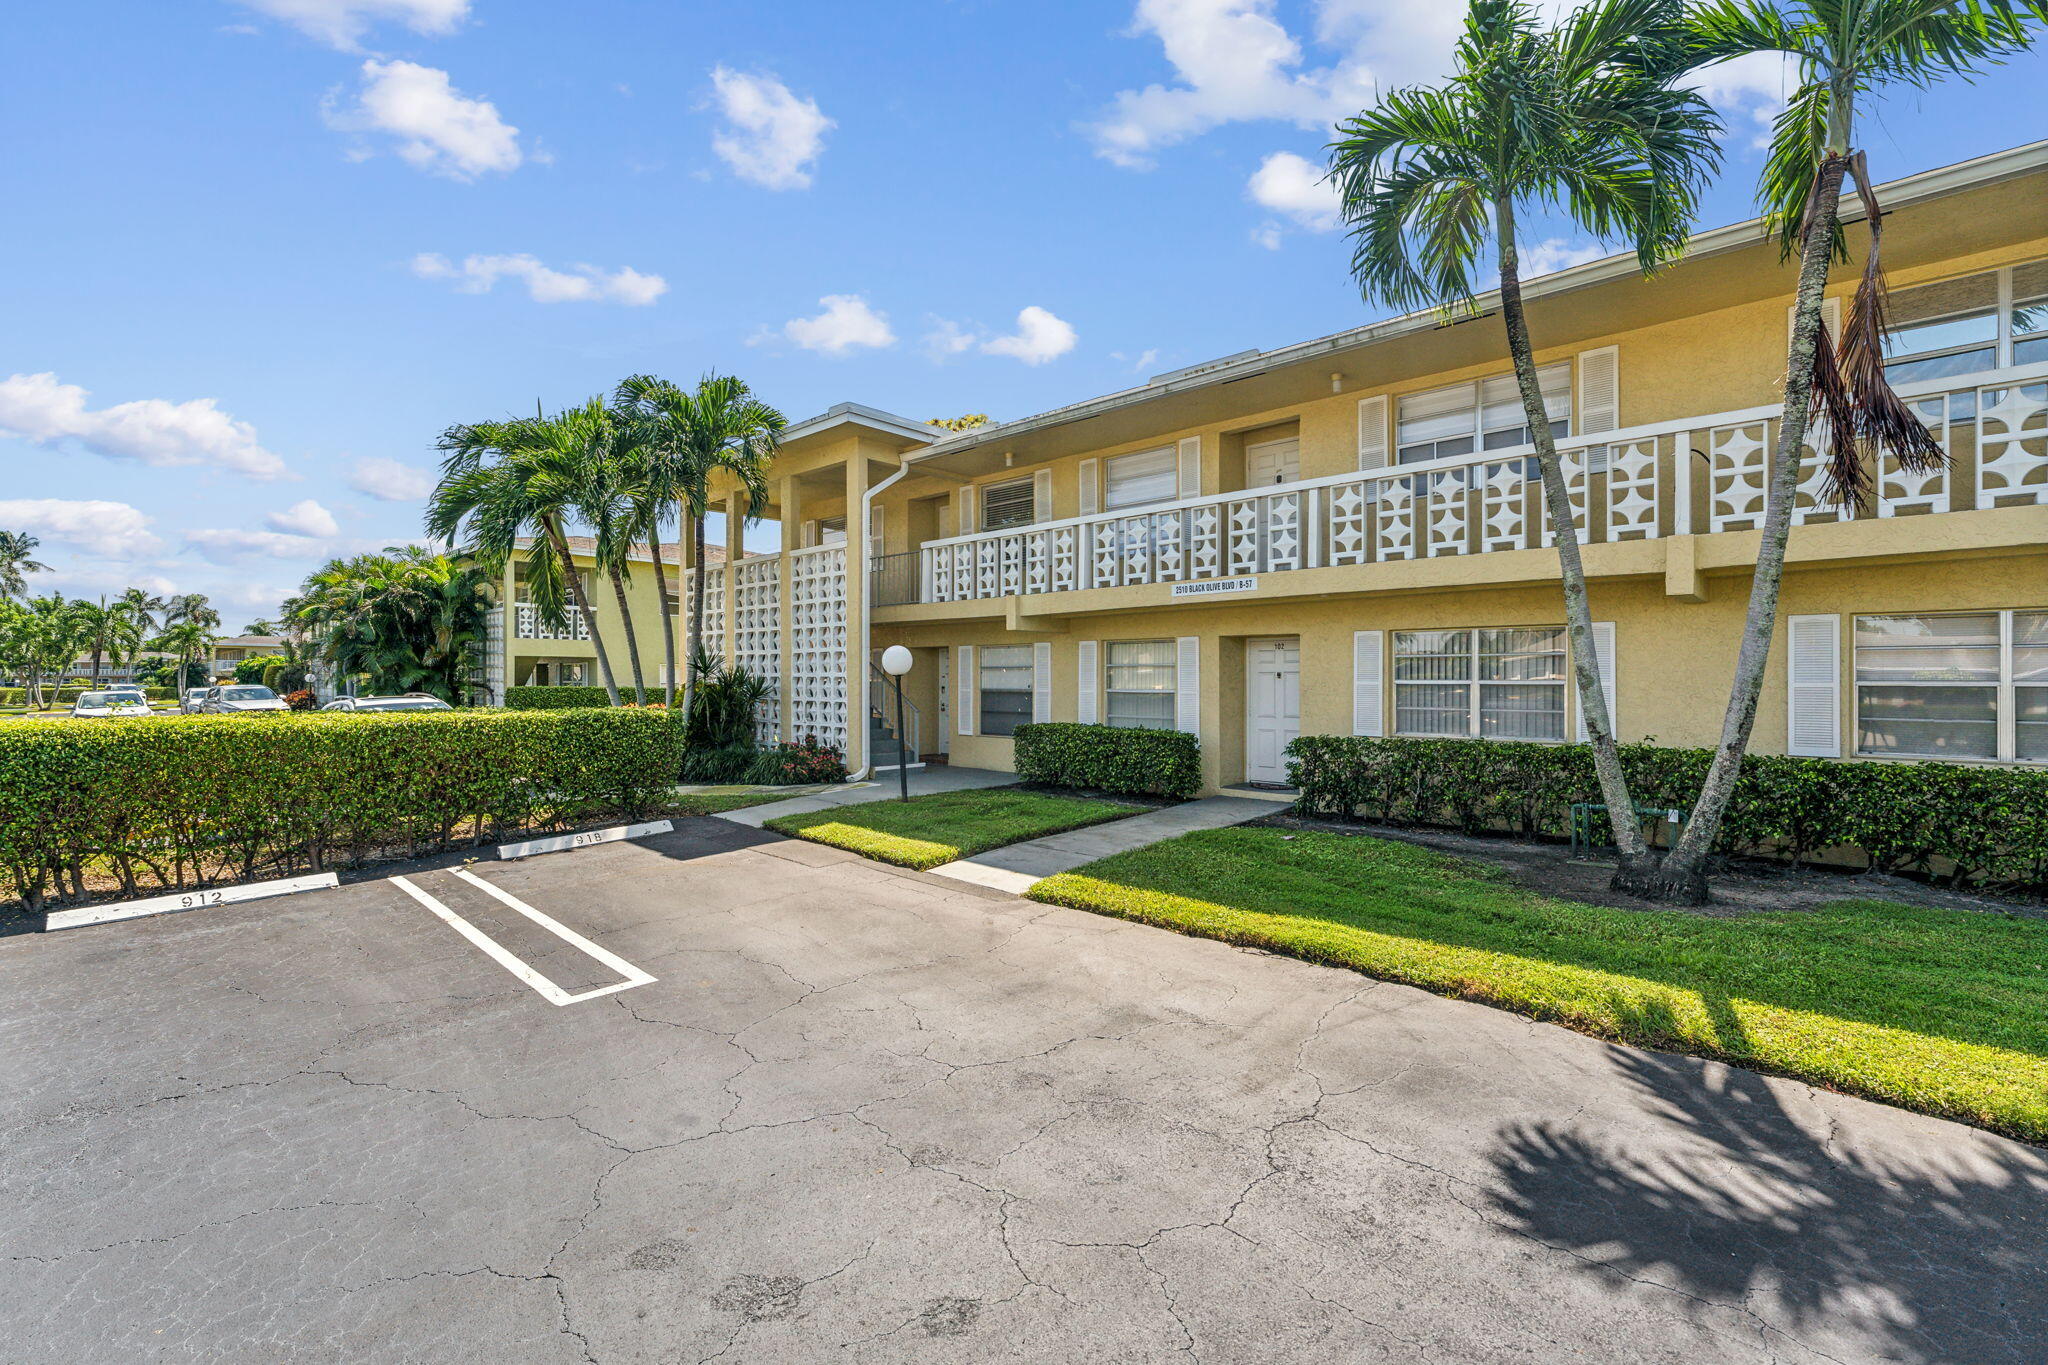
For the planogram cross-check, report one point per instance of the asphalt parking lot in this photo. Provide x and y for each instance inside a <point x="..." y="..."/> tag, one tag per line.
<point x="866" y="1115"/>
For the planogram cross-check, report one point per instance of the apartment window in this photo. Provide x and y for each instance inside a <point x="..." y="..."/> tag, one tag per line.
<point x="1005" y="688"/>
<point x="1139" y="677"/>
<point x="1486" y="415"/>
<point x="1939" y="330"/>
<point x="1491" y="683"/>
<point x="832" y="531"/>
<point x="1007" y="504"/>
<point x="2029" y="318"/>
<point x="1141" y="477"/>
<point x="1958" y="685"/>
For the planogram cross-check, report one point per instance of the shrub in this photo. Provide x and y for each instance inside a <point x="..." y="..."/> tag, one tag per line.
<point x="725" y="705"/>
<point x="1987" y="825"/>
<point x="256" y="668"/>
<point x="791" y="764"/>
<point x="301" y="700"/>
<point x="1109" y="758"/>
<point x="719" y="765"/>
<point x="170" y="804"/>
<point x="554" y="698"/>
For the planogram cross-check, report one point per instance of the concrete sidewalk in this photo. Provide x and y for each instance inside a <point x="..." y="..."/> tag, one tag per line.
<point x="923" y="782"/>
<point x="1016" y="867"/>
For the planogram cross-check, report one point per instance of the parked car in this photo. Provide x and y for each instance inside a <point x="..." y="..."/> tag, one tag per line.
<point x="411" y="701"/>
<point x="239" y="699"/>
<point x="194" y="699"/>
<point x="130" y="690"/>
<point x="105" y="705"/>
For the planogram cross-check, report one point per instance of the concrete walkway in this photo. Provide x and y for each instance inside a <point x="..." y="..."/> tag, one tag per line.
<point x="1016" y="867"/>
<point x="923" y="782"/>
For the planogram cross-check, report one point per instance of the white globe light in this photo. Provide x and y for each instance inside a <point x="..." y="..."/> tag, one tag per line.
<point x="896" y="661"/>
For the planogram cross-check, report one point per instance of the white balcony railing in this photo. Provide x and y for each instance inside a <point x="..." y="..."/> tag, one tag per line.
<point x="1675" y="478"/>
<point x="527" y="625"/>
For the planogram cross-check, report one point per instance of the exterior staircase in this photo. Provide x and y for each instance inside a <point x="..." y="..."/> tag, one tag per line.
<point x="887" y="750"/>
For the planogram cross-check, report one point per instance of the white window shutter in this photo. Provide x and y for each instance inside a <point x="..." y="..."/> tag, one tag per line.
<point x="1813" y="686"/>
<point x="1368" y="710"/>
<point x="965" y="686"/>
<point x="1187" y="709"/>
<point x="1041" y="681"/>
<point x="1190" y="467"/>
<point x="1603" y="646"/>
<point x="1372" y="432"/>
<point x="963" y="514"/>
<point x="810" y="534"/>
<point x="1091" y="488"/>
<point x="878" y="543"/>
<point x="1830" y="317"/>
<point x="1599" y="392"/>
<point x="1041" y="495"/>
<point x="1086" y="699"/>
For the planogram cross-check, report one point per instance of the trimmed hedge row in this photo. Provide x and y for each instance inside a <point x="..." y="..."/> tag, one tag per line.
<point x="141" y="807"/>
<point x="1110" y="758"/>
<point x="554" y="698"/>
<point x="1970" y="824"/>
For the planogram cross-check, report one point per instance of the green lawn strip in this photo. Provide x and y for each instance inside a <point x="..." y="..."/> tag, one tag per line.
<point x="926" y="831"/>
<point x="711" y="803"/>
<point x="1944" y="1011"/>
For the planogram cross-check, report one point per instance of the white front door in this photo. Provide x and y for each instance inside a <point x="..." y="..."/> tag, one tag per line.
<point x="1272" y="462"/>
<point x="946" y="700"/>
<point x="1272" y="687"/>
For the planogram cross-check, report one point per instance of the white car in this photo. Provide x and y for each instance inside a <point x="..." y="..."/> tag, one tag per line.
<point x="411" y="701"/>
<point x="195" y="697"/>
<point x="105" y="705"/>
<point x="240" y="700"/>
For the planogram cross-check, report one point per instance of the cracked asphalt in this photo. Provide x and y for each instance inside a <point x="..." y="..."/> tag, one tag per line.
<point x="867" y="1115"/>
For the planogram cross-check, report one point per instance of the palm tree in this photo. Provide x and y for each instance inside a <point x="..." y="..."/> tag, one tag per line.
<point x="1582" y="116"/>
<point x="500" y="479"/>
<point x="413" y="619"/>
<point x="191" y="606"/>
<point x="48" y="634"/>
<point x="112" y="630"/>
<point x="720" y="426"/>
<point x="188" y="639"/>
<point x="1845" y="50"/>
<point x="142" y="607"/>
<point x="611" y="458"/>
<point x="15" y="563"/>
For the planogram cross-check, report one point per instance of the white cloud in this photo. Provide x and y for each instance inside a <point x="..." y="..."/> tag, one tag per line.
<point x="577" y="284"/>
<point x="342" y="23"/>
<point x="1750" y="89"/>
<point x="846" y="325"/>
<point x="771" y="137"/>
<point x="438" y="128"/>
<point x="1039" y="337"/>
<point x="111" y="529"/>
<point x="1269" y="235"/>
<point x="387" y="480"/>
<point x="225" y="546"/>
<point x="152" y="430"/>
<point x="1554" y="254"/>
<point x="947" y="339"/>
<point x="1294" y="186"/>
<point x="304" y="518"/>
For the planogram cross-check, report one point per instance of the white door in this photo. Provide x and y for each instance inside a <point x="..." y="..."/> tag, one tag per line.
<point x="946" y="700"/>
<point x="1273" y="707"/>
<point x="1272" y="462"/>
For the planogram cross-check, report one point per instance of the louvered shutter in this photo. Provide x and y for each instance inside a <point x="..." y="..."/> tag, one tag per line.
<point x="1368" y="710"/>
<point x="1187" y="681"/>
<point x="968" y="702"/>
<point x="1599" y="392"/>
<point x="810" y="534"/>
<point x="1813" y="686"/>
<point x="1190" y="467"/>
<point x="1830" y="317"/>
<point x="1603" y="646"/>
<point x="1091" y="488"/>
<point x="963" y="514"/>
<point x="1041" y="681"/>
<point x="1087" y="701"/>
<point x="1372" y="432"/>
<point x="1041" y="495"/>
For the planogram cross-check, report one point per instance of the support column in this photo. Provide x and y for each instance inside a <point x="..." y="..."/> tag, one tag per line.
<point x="856" y="607"/>
<point x="686" y="571"/>
<point x="735" y="537"/>
<point x="790" y="512"/>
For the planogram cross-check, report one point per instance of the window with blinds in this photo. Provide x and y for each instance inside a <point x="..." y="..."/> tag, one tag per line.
<point x="1139" y="478"/>
<point x="832" y="531"/>
<point x="1956" y="327"/>
<point x="1486" y="415"/>
<point x="1491" y="683"/>
<point x="1958" y="685"/>
<point x="1139" y="678"/>
<point x="1007" y="504"/>
<point x="1005" y="688"/>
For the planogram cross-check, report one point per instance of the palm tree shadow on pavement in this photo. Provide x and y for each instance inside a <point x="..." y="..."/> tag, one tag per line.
<point x="1924" y="1248"/>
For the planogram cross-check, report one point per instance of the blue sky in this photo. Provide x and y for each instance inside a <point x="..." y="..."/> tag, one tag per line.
<point x="259" y="252"/>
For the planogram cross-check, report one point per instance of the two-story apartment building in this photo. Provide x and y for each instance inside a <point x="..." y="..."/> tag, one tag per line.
<point x="1346" y="535"/>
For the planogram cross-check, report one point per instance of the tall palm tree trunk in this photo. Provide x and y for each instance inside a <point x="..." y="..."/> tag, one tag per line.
<point x="575" y="585"/>
<point x="1578" y="611"/>
<point x="668" y="620"/>
<point x="632" y="637"/>
<point x="1682" y="876"/>
<point x="695" y="643"/>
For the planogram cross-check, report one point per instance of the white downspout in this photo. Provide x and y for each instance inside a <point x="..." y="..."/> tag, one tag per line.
<point x="867" y="610"/>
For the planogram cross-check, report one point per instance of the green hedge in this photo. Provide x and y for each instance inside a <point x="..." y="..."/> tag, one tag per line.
<point x="1977" y="824"/>
<point x="141" y="807"/>
<point x="554" y="698"/>
<point x="1110" y="758"/>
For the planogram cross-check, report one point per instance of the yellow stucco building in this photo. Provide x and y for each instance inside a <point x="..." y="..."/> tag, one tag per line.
<point x="1346" y="535"/>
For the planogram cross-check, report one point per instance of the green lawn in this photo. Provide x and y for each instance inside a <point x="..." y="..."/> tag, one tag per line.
<point x="711" y="803"/>
<point x="928" y="830"/>
<point x="1944" y="1011"/>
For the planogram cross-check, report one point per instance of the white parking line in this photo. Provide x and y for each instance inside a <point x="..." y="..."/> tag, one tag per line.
<point x="498" y="953"/>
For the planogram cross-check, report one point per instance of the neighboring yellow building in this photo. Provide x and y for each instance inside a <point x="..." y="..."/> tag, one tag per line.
<point x="1345" y="536"/>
